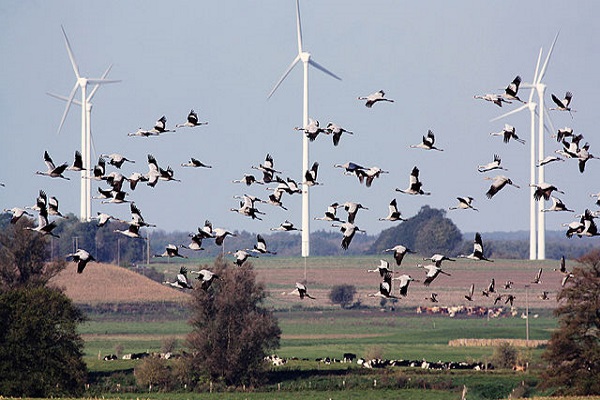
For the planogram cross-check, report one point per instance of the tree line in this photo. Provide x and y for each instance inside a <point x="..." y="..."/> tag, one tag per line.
<point x="429" y="231"/>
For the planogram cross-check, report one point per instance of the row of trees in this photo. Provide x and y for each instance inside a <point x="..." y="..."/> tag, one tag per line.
<point x="429" y="231"/>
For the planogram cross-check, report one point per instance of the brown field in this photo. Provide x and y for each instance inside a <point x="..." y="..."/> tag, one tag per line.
<point x="323" y="273"/>
<point x="106" y="283"/>
<point x="496" y="342"/>
<point x="103" y="283"/>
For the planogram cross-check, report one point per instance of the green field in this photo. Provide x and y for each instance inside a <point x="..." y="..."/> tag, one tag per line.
<point x="312" y="334"/>
<point x="319" y="329"/>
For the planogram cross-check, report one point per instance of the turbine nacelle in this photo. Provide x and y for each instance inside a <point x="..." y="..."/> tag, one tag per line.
<point x="306" y="59"/>
<point x="304" y="56"/>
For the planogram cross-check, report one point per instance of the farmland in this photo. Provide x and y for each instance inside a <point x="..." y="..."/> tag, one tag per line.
<point x="136" y="314"/>
<point x="102" y="283"/>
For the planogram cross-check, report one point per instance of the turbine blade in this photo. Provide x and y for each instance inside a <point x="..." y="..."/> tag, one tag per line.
<point x="543" y="71"/>
<point x="71" y="56"/>
<point x="548" y="125"/>
<point x="95" y="153"/>
<point x="298" y="26"/>
<point x="285" y="74"/>
<point x="535" y="74"/>
<point x="69" y="101"/>
<point x="516" y="110"/>
<point x="95" y="88"/>
<point x="549" y="129"/>
<point x="322" y="68"/>
<point x="102" y="81"/>
<point x="63" y="98"/>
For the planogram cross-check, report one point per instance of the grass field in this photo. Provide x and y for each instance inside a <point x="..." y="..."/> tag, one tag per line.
<point x="329" y="333"/>
<point x="317" y="328"/>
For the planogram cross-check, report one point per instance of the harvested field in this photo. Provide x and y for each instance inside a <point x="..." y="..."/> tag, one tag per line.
<point x="101" y="283"/>
<point x="496" y="342"/>
<point x="280" y="275"/>
<point x="106" y="283"/>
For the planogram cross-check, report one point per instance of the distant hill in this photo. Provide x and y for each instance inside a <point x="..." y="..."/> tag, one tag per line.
<point x="106" y="283"/>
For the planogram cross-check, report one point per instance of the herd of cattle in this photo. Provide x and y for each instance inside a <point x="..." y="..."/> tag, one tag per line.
<point x="383" y="363"/>
<point x="139" y="356"/>
<point x="275" y="360"/>
<point x="476" y="311"/>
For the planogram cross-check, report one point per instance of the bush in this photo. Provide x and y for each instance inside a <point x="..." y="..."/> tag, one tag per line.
<point x="151" y="372"/>
<point x="505" y="356"/>
<point x="342" y="295"/>
<point x="374" y="352"/>
<point x="168" y="345"/>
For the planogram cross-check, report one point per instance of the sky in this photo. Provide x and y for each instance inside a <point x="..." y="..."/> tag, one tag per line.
<point x="222" y="58"/>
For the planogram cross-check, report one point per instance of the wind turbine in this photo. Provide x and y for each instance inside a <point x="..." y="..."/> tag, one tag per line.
<point x="306" y="59"/>
<point x="88" y="118"/>
<point x="537" y="244"/>
<point x="540" y="88"/>
<point x="82" y="82"/>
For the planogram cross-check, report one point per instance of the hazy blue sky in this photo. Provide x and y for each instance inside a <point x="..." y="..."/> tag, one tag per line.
<point x="223" y="57"/>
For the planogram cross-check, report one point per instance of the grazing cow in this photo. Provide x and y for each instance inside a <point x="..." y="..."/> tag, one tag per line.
<point x="138" y="356"/>
<point x="349" y="357"/>
<point x="275" y="360"/>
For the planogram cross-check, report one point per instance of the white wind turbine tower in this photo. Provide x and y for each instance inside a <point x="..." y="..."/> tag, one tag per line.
<point x="305" y="57"/>
<point x="88" y="127"/>
<point x="537" y="243"/>
<point x="82" y="82"/>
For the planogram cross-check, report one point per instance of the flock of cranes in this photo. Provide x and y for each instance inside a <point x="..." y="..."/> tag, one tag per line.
<point x="116" y="194"/>
<point x="281" y="188"/>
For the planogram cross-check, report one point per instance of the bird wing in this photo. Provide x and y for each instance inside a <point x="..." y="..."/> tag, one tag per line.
<point x="567" y="100"/>
<point x="399" y="256"/>
<point x="478" y="245"/>
<point x="192" y="117"/>
<point x="152" y="164"/>
<point x="429" y="140"/>
<point x="48" y="161"/>
<point x="78" y="163"/>
<point x="42" y="200"/>
<point x="557" y="101"/>
<point x="563" y="266"/>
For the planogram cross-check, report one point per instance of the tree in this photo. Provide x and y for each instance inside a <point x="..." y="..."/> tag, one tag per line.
<point x="342" y="295"/>
<point x="40" y="349"/>
<point x="153" y="371"/>
<point x="232" y="331"/>
<point x="41" y="353"/>
<point x="505" y="356"/>
<point x="23" y="257"/>
<point x="573" y="352"/>
<point x="430" y="231"/>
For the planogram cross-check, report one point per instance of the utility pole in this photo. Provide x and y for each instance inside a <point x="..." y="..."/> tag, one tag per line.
<point x="527" y="316"/>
